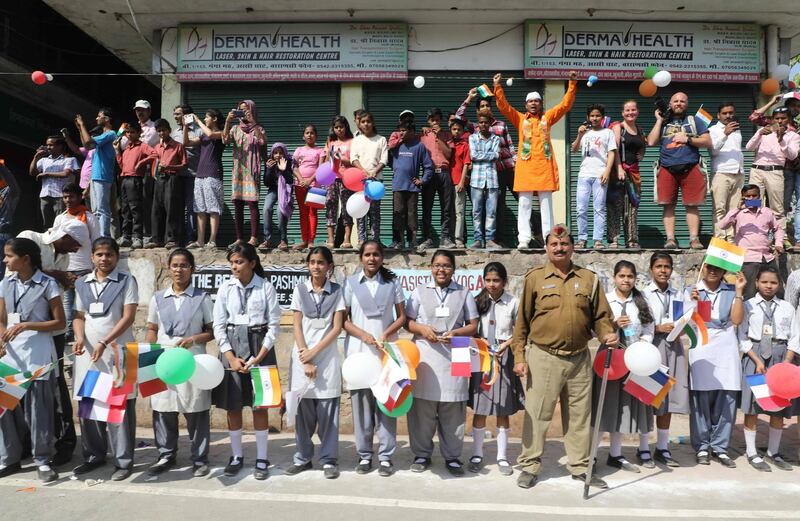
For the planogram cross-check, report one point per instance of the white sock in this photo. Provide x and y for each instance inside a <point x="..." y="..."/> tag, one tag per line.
<point x="44" y="468"/>
<point x="261" y="444"/>
<point x="774" y="443"/>
<point x="478" y="435"/>
<point x="662" y="439"/>
<point x="750" y="442"/>
<point x="644" y="442"/>
<point x="615" y="449"/>
<point x="502" y="443"/>
<point x="236" y="443"/>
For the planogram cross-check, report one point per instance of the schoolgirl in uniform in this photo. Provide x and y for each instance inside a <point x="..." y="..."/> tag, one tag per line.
<point x="319" y="311"/>
<point x="623" y="413"/>
<point x="30" y="310"/>
<point x="437" y="312"/>
<point x="375" y="313"/>
<point x="498" y="313"/>
<point x="246" y="325"/>
<point x="181" y="316"/>
<point x="764" y="340"/>
<point x="105" y="303"/>
<point x="660" y="296"/>
<point x="715" y="369"/>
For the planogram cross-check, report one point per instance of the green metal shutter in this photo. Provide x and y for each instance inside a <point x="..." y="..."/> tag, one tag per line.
<point x="613" y="95"/>
<point x="283" y="109"/>
<point x="447" y="90"/>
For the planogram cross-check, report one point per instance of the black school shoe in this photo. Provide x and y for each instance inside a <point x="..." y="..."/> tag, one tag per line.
<point x="11" y="469"/>
<point x="420" y="464"/>
<point x="475" y="464"/>
<point x="233" y="467"/>
<point x="385" y="468"/>
<point x="703" y="458"/>
<point x="364" y="466"/>
<point x="619" y="462"/>
<point x="778" y="461"/>
<point x="87" y="466"/>
<point x="261" y="470"/>
<point x="47" y="475"/>
<point x="297" y="469"/>
<point x="455" y="467"/>
<point x="646" y="462"/>
<point x="161" y="466"/>
<point x="724" y="460"/>
<point x="665" y="458"/>
<point x="330" y="470"/>
<point x="121" y="474"/>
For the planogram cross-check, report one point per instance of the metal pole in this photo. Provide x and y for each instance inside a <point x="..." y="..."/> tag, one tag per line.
<point x="596" y="432"/>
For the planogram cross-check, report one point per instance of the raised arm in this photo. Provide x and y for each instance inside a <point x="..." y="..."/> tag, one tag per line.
<point x="557" y="112"/>
<point x="513" y="117"/>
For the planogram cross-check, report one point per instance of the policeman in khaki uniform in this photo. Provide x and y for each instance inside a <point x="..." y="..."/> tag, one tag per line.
<point x="561" y="308"/>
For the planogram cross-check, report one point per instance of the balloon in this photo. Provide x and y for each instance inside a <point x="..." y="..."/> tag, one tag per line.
<point x="792" y="85"/>
<point x="208" y="372"/>
<point x="38" y="77"/>
<point x="783" y="379"/>
<point x="353" y="179"/>
<point x="647" y="88"/>
<point x="617" y="370"/>
<point x="419" y="82"/>
<point x="642" y="358"/>
<point x="49" y="76"/>
<point x="781" y="72"/>
<point x="510" y="81"/>
<point x="357" y="205"/>
<point x="650" y="71"/>
<point x="591" y="81"/>
<point x="175" y="366"/>
<point x="662" y="78"/>
<point x="325" y="174"/>
<point x="361" y="370"/>
<point x="400" y="410"/>
<point x="770" y="87"/>
<point x="374" y="190"/>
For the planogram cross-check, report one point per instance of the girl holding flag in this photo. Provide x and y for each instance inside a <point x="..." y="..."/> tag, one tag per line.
<point x="105" y="303"/>
<point x="667" y="306"/>
<point x="375" y="313"/>
<point x="498" y="312"/>
<point x="181" y="316"/>
<point x="319" y="310"/>
<point x="30" y="310"/>
<point x="715" y="368"/>
<point x="437" y="312"/>
<point x="623" y="413"/>
<point x="247" y="320"/>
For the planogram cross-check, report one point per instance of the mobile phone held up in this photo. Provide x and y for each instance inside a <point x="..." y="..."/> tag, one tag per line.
<point x="238" y="113"/>
<point x="752" y="203"/>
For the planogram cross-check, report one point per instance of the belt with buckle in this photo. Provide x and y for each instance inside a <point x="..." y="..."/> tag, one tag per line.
<point x="768" y="168"/>
<point x="441" y="170"/>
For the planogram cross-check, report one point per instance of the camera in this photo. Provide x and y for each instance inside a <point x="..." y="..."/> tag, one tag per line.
<point x="662" y="106"/>
<point x="238" y="113"/>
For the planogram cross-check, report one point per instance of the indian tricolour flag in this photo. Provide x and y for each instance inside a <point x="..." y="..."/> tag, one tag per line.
<point x="266" y="386"/>
<point x="485" y="91"/>
<point x="725" y="255"/>
<point x="703" y="115"/>
<point x="149" y="383"/>
<point x="693" y="326"/>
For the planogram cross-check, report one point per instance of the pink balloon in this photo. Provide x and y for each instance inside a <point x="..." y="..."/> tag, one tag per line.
<point x="353" y="179"/>
<point x="325" y="174"/>
<point x="38" y="77"/>
<point x="783" y="379"/>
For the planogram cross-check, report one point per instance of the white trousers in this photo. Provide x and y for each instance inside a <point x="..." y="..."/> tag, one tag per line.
<point x="524" y="234"/>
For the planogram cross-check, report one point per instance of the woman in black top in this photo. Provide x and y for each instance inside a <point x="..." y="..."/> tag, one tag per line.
<point x="624" y="191"/>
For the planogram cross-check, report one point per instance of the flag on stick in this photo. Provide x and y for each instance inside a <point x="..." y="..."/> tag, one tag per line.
<point x="724" y="255"/>
<point x="460" y="359"/>
<point x="266" y="386"/>
<point x="90" y="409"/>
<point x="693" y="326"/>
<point x="650" y="389"/>
<point x="703" y="116"/>
<point x="96" y="385"/>
<point x="485" y="91"/>
<point x="147" y="354"/>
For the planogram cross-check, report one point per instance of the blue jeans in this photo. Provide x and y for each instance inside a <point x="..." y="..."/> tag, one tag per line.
<point x="484" y="197"/>
<point x="101" y="205"/>
<point x="270" y="200"/>
<point x="69" y="310"/>
<point x="591" y="186"/>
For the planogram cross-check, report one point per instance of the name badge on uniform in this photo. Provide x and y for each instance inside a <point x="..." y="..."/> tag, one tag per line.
<point x="96" y="308"/>
<point x="766" y="330"/>
<point x="318" y="323"/>
<point x="442" y="312"/>
<point x="242" y="319"/>
<point x="13" y="319"/>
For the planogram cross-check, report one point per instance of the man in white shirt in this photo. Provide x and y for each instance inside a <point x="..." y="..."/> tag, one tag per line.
<point x="727" y="164"/>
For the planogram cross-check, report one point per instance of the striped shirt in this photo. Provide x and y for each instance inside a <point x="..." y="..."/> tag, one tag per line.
<point x="499" y="129"/>
<point x="51" y="186"/>
<point x="484" y="152"/>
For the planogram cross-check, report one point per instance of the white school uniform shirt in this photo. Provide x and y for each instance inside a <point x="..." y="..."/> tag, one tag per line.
<point x="30" y="349"/>
<point x="98" y="327"/>
<point x="660" y="303"/>
<point x="794" y="337"/>
<point x="434" y="381"/>
<point x="504" y="310"/>
<point x="81" y="260"/>
<point x="753" y="327"/>
<point x="328" y="383"/>
<point x="262" y="307"/>
<point x="645" y="331"/>
<point x="183" y="398"/>
<point x="375" y="326"/>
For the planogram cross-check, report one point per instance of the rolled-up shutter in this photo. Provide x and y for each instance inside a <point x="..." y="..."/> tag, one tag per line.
<point x="613" y="95"/>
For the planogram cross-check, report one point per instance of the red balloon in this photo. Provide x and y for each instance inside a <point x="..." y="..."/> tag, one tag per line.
<point x="617" y="370"/>
<point x="783" y="379"/>
<point x="38" y="77"/>
<point x="353" y="179"/>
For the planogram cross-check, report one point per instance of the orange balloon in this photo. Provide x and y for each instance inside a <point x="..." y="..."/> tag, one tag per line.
<point x="770" y="87"/>
<point x="647" y="88"/>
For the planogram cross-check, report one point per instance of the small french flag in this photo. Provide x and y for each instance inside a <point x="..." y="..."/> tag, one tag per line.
<point x="90" y="409"/>
<point x="650" y="389"/>
<point x="96" y="385"/>
<point x="316" y="198"/>
<point x="764" y="397"/>
<point x="460" y="358"/>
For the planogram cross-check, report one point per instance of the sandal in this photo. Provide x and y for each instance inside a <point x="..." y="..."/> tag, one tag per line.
<point x="346" y="246"/>
<point x="580" y="245"/>
<point x="266" y="245"/>
<point x="634" y="246"/>
<point x="194" y="245"/>
<point x="598" y="245"/>
<point x="613" y="245"/>
<point x="330" y="245"/>
<point x="253" y="241"/>
<point x="300" y="246"/>
<point x="283" y="246"/>
<point x="695" y="244"/>
<point x="671" y="244"/>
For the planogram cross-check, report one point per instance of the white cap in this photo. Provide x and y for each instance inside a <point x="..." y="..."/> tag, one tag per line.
<point x="532" y="95"/>
<point x="72" y="227"/>
<point x="142" y="104"/>
<point x="792" y="95"/>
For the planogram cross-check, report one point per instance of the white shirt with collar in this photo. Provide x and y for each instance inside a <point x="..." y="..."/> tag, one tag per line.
<point x="81" y="260"/>
<point x="660" y="302"/>
<point x="753" y="328"/>
<point x="50" y="259"/>
<point x="261" y="306"/>
<point x="328" y="383"/>
<point x="645" y="331"/>
<point x="711" y="296"/>
<point x="726" y="151"/>
<point x="505" y="315"/>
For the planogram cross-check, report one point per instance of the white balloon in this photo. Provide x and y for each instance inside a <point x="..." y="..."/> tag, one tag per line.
<point x="662" y="78"/>
<point x="357" y="205"/>
<point x="50" y="76"/>
<point x="510" y="81"/>
<point x="361" y="370"/>
<point x="781" y="72"/>
<point x="419" y="82"/>
<point x="208" y="372"/>
<point x="642" y="358"/>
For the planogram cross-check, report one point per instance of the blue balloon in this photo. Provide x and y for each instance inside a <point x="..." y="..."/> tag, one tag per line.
<point x="374" y="190"/>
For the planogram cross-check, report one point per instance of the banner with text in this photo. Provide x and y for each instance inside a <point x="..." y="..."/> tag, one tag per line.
<point x="293" y="52"/>
<point x="410" y="279"/>
<point x="618" y="50"/>
<point x="284" y="278"/>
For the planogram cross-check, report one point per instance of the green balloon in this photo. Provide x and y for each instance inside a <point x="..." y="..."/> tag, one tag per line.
<point x="650" y="71"/>
<point x="400" y="410"/>
<point x="175" y="366"/>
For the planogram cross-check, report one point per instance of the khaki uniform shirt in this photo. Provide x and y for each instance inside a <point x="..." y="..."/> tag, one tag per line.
<point x="560" y="315"/>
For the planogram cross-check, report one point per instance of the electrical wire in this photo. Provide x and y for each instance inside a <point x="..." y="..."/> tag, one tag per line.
<point x="467" y="46"/>
<point x="135" y="26"/>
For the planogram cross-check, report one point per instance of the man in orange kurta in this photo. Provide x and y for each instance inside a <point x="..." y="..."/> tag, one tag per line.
<point x="536" y="169"/>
